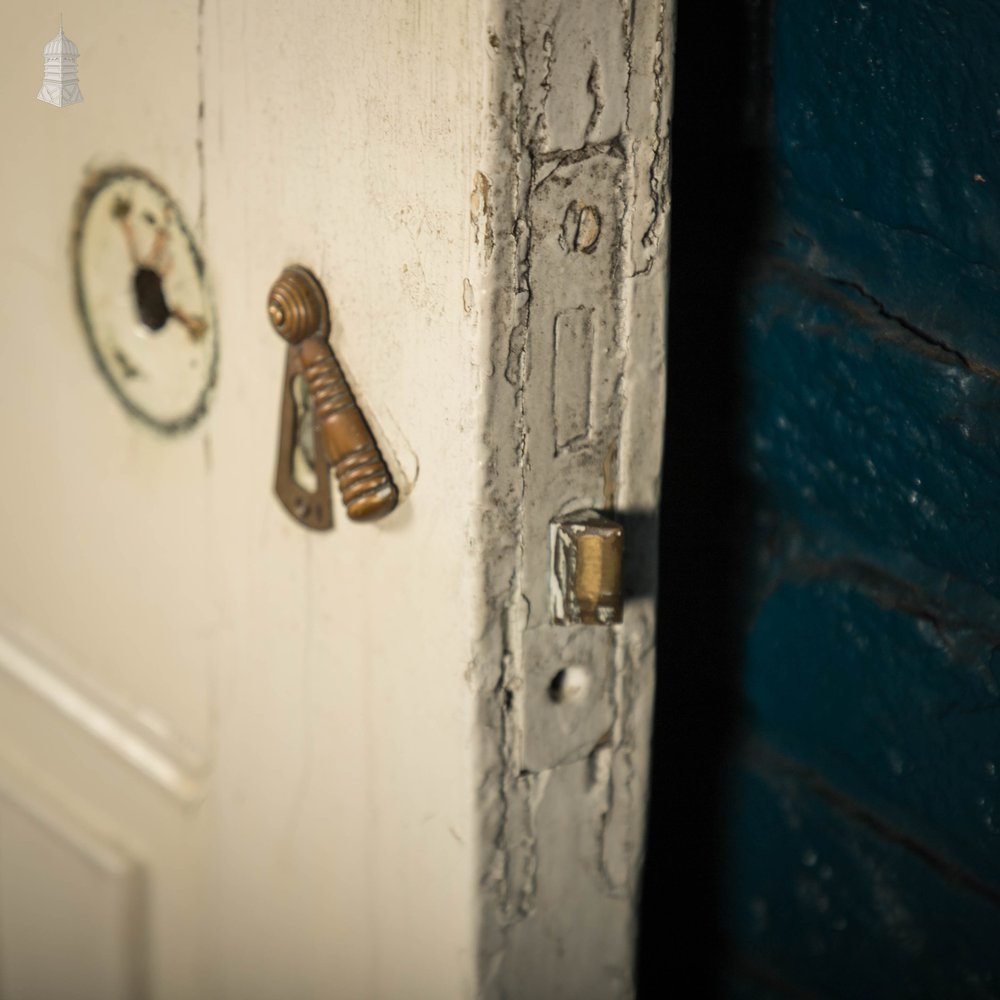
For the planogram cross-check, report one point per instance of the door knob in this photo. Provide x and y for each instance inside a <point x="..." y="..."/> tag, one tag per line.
<point x="340" y="436"/>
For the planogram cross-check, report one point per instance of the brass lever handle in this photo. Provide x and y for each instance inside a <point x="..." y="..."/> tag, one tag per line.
<point x="298" y="310"/>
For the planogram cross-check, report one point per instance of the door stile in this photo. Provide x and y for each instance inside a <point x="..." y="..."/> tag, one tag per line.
<point x="570" y="218"/>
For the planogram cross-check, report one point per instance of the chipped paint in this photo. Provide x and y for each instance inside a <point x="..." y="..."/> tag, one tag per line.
<point x="577" y="116"/>
<point x="481" y="213"/>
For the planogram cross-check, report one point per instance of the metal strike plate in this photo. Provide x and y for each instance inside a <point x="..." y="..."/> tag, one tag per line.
<point x="575" y="359"/>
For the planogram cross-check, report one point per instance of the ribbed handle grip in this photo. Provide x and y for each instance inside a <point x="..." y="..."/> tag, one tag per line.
<point x="365" y="483"/>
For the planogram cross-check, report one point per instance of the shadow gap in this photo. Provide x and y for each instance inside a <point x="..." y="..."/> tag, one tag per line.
<point x="720" y="209"/>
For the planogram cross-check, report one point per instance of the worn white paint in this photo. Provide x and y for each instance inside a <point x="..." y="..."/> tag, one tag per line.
<point x="318" y="681"/>
<point x="573" y="243"/>
<point x="301" y="743"/>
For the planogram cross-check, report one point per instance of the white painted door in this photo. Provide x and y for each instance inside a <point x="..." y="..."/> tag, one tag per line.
<point x="241" y="759"/>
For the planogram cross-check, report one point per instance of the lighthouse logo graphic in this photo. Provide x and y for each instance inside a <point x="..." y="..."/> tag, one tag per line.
<point x="61" y="85"/>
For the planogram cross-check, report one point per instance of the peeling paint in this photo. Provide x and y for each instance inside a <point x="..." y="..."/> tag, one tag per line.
<point x="558" y="206"/>
<point x="481" y="213"/>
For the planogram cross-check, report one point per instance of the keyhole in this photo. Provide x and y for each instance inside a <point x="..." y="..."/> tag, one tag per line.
<point x="304" y="455"/>
<point x="153" y="309"/>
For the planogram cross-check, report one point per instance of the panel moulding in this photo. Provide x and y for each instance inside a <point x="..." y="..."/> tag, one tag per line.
<point x="132" y="735"/>
<point x="72" y="899"/>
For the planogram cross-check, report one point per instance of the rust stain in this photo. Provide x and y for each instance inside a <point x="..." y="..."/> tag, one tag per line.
<point x="481" y="212"/>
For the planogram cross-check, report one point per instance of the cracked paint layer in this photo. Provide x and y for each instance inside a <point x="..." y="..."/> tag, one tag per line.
<point x="576" y="130"/>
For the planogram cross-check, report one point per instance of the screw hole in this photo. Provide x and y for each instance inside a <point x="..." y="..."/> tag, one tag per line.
<point x="569" y="685"/>
<point x="581" y="228"/>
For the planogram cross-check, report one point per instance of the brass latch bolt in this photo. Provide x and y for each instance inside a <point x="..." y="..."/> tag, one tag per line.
<point x="586" y="569"/>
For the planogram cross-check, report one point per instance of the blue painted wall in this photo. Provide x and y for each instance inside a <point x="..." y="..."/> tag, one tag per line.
<point x="861" y="814"/>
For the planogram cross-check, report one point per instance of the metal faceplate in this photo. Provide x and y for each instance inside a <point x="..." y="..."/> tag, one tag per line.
<point x="142" y="296"/>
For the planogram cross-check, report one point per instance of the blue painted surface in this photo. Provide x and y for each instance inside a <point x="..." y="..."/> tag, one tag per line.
<point x="857" y="421"/>
<point x="876" y="700"/>
<point x="890" y="108"/>
<point x="887" y="134"/>
<point x="864" y="823"/>
<point x="834" y="908"/>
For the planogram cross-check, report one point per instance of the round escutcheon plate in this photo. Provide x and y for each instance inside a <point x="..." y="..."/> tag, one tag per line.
<point x="141" y="291"/>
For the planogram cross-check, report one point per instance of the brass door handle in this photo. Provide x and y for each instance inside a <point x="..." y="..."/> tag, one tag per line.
<point x="342" y="438"/>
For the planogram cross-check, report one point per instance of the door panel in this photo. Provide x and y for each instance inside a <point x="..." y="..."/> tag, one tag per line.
<point x="288" y="740"/>
<point x="71" y="902"/>
<point x="255" y="710"/>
